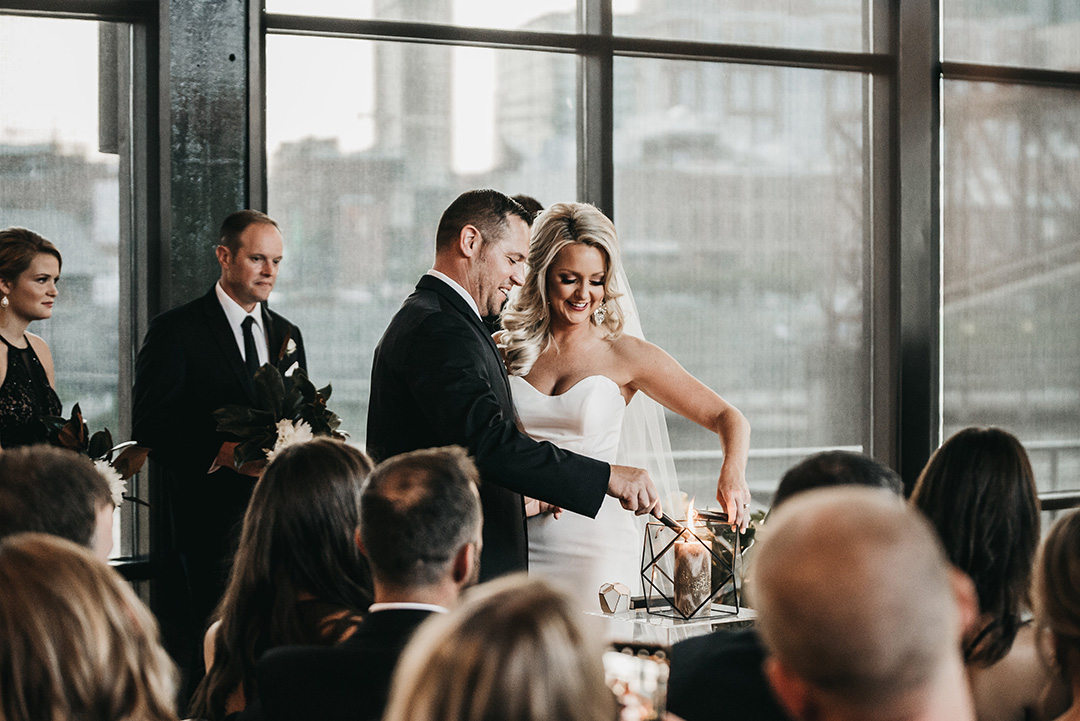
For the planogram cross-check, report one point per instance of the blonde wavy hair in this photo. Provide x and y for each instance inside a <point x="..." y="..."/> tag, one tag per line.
<point x="515" y="650"/>
<point x="526" y="319"/>
<point x="77" y="642"/>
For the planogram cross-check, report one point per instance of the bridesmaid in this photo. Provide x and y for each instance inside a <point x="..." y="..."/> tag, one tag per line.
<point x="29" y="270"/>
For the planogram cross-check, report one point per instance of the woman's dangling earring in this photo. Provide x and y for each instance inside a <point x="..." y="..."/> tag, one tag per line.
<point x="600" y="314"/>
<point x="4" y="303"/>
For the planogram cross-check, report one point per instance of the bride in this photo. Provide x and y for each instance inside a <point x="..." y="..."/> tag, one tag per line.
<point x="576" y="358"/>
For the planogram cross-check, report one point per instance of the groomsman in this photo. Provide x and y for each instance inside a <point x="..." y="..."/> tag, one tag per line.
<point x="439" y="380"/>
<point x="195" y="359"/>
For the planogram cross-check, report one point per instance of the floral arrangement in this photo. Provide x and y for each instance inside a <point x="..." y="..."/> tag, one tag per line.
<point x="117" y="463"/>
<point x="288" y="410"/>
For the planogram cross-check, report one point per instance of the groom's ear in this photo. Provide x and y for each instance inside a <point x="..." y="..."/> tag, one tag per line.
<point x="469" y="241"/>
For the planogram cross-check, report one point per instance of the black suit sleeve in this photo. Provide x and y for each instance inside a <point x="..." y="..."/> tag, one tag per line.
<point x="160" y="371"/>
<point x="454" y="390"/>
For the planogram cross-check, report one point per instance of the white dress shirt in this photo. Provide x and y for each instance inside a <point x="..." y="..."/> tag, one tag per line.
<point x="406" y="606"/>
<point x="236" y="315"/>
<point x="460" y="291"/>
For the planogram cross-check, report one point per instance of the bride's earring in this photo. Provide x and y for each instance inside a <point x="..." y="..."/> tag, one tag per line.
<point x="5" y="302"/>
<point x="600" y="314"/>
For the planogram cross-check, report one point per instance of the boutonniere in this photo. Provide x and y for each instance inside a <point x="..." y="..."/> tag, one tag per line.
<point x="288" y="346"/>
<point x="287" y="410"/>
<point x="117" y="463"/>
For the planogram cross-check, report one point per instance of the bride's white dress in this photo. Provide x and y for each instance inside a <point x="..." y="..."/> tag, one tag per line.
<point x="577" y="553"/>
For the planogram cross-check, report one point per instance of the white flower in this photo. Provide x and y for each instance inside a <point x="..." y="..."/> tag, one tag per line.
<point x="117" y="485"/>
<point x="290" y="347"/>
<point x="289" y="433"/>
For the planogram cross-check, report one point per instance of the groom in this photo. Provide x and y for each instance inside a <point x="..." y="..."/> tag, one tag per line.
<point x="439" y="380"/>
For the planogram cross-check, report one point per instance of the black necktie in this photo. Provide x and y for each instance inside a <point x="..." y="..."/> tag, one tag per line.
<point x="251" y="353"/>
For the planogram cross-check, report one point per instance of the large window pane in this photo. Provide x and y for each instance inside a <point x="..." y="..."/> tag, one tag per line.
<point x="58" y="179"/>
<point x="360" y="172"/>
<point x="1011" y="343"/>
<point x="739" y="203"/>
<point x="539" y="15"/>
<point x="805" y="24"/>
<point x="1032" y="33"/>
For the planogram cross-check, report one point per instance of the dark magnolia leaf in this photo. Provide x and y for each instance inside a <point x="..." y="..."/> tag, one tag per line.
<point x="130" y="460"/>
<point x="243" y="421"/>
<point x="53" y="424"/>
<point x="270" y="389"/>
<point x="73" y="434"/>
<point x="325" y="392"/>
<point x="303" y="385"/>
<point x="101" y="444"/>
<point x="253" y="449"/>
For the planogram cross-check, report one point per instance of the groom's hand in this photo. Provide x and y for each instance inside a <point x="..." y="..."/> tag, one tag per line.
<point x="635" y="490"/>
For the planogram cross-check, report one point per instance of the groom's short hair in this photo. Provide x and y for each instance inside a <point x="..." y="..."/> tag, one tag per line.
<point x="486" y="209"/>
<point x="417" y="510"/>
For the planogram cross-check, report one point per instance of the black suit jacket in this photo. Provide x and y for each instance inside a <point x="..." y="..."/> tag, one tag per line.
<point x="720" y="675"/>
<point x="189" y="366"/>
<point x="347" y="682"/>
<point x="438" y="380"/>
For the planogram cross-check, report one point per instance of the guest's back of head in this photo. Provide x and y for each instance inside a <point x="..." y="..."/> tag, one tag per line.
<point x="297" y="548"/>
<point x="836" y="468"/>
<point x="1057" y="597"/>
<point x="53" y="490"/>
<point x="417" y="511"/>
<point x="515" y="650"/>
<point x="978" y="490"/>
<point x="856" y="602"/>
<point x="77" y="642"/>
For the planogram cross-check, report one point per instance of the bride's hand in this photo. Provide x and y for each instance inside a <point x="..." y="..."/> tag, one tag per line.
<point x="533" y="507"/>
<point x="734" y="497"/>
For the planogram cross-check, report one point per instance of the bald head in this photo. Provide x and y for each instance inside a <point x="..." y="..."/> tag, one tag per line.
<point x="855" y="598"/>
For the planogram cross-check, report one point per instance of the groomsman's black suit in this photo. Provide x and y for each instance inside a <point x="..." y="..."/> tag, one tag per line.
<point x="439" y="380"/>
<point x="189" y="366"/>
<point x="347" y="682"/>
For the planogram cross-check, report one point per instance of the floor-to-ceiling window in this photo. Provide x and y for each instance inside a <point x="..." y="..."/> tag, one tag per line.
<point x="1010" y="219"/>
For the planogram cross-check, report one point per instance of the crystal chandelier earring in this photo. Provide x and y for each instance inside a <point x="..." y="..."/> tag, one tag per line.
<point x="600" y="314"/>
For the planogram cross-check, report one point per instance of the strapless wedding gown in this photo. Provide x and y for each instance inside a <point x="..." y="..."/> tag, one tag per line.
<point x="577" y="553"/>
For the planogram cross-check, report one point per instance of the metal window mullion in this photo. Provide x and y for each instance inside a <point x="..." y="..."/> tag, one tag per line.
<point x="595" y="109"/>
<point x="918" y="154"/>
<point x="881" y="294"/>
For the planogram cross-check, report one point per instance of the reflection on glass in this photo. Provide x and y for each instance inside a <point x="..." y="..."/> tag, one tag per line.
<point x="55" y="180"/>
<point x="1018" y="32"/>
<point x="739" y="205"/>
<point x="838" y="25"/>
<point x="359" y="173"/>
<point x="1011" y="343"/>
<point x="539" y="15"/>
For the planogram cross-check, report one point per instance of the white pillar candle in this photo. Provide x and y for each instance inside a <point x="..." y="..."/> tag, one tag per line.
<point x="693" y="576"/>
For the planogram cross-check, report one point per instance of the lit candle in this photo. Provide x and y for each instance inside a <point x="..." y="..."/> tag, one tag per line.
<point x="693" y="575"/>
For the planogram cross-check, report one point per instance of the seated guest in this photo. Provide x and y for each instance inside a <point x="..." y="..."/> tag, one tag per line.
<point x="515" y="650"/>
<point x="860" y="612"/>
<point x="298" y="577"/>
<point x="420" y="529"/>
<point x="77" y="641"/>
<point x="978" y="490"/>
<point x="56" y="491"/>
<point x="1057" y="603"/>
<point x="729" y="663"/>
